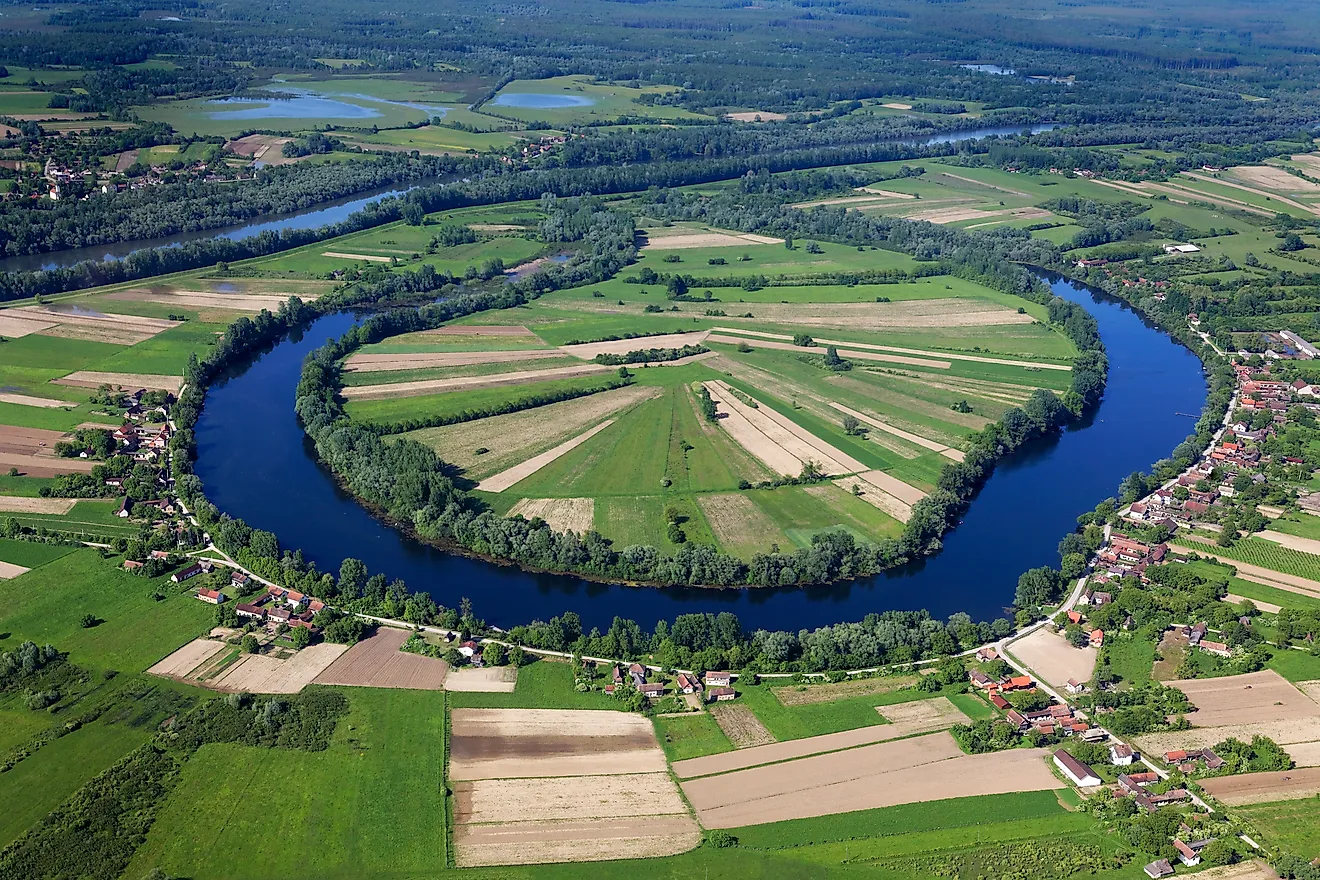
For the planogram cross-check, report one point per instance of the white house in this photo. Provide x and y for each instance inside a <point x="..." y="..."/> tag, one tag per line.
<point x="1078" y="773"/>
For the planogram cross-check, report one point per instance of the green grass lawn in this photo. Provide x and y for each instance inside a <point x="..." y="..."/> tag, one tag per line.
<point x="48" y="603"/>
<point x="1131" y="658"/>
<point x="1295" y="665"/>
<point x="30" y="554"/>
<point x="691" y="736"/>
<point x="544" y="684"/>
<point x="373" y="804"/>
<point x="813" y="719"/>
<point x="1290" y="824"/>
<point x="164" y="354"/>
<point x="91" y="517"/>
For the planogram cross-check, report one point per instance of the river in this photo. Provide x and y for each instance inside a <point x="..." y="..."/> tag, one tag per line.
<point x="334" y="211"/>
<point x="257" y="464"/>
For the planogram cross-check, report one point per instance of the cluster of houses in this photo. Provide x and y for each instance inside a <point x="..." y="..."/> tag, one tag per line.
<point x="1189" y="760"/>
<point x="279" y="605"/>
<point x="1123" y="556"/>
<point x="1053" y="720"/>
<point x="143" y="442"/>
<point x="717" y="686"/>
<point x="1189" y="854"/>
<point x="1195" y="635"/>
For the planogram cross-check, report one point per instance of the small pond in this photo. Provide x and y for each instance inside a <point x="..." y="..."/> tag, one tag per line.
<point x="531" y="101"/>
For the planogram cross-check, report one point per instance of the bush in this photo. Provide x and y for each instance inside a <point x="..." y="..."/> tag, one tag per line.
<point x="87" y="621"/>
<point x="720" y="839"/>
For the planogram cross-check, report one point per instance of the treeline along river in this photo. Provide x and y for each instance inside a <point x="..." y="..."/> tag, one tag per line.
<point x="257" y="464"/>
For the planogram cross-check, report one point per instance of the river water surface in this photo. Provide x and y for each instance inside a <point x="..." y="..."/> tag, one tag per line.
<point x="257" y="464"/>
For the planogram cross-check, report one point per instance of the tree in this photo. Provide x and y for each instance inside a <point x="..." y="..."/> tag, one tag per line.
<point x="493" y="654"/>
<point x="352" y="577"/>
<point x="413" y="213"/>
<point x="517" y="656"/>
<point x="88" y="621"/>
<point x="250" y="644"/>
<point x="300" y="637"/>
<point x="851" y="426"/>
<point x="1037" y="586"/>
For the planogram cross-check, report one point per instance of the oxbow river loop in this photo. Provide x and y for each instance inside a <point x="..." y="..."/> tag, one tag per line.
<point x="258" y="464"/>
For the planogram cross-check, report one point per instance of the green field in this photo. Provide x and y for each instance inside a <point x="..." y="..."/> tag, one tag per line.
<point x="690" y="736"/>
<point x="1290" y="824"/>
<point x="544" y="684"/>
<point x="814" y="719"/>
<point x="1267" y="554"/>
<point x="591" y="102"/>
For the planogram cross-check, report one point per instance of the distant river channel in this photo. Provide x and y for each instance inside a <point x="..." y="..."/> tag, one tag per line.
<point x="257" y="464"/>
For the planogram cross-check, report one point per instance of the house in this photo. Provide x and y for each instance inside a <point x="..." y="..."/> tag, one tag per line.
<point x="1196" y="633"/>
<point x="159" y="554"/>
<point x="294" y="598"/>
<point x="315" y="605"/>
<point x="1121" y="755"/>
<point x="1134" y="783"/>
<point x="987" y="655"/>
<point x="1074" y="686"/>
<point x="1080" y="774"/>
<point x="214" y="597"/>
<point x="999" y="702"/>
<point x="1188" y="856"/>
<point x="131" y="565"/>
<point x="651" y="690"/>
<point x="467" y="649"/>
<point x="1097" y="638"/>
<point x="617" y="675"/>
<point x="980" y="679"/>
<point x="1219" y="649"/>
<point x="254" y="611"/>
<point x="1016" y="719"/>
<point x="125" y="508"/>
<point x="281" y="615"/>
<point x="1074" y="617"/>
<point x="1162" y="868"/>
<point x="238" y="580"/>
<point x="720" y="694"/>
<point x="190" y="572"/>
<point x="1018" y="683"/>
<point x="687" y="684"/>
<point x="638" y="674"/>
<point x="718" y="679"/>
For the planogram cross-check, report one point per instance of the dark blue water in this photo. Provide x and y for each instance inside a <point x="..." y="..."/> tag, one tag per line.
<point x="257" y="464"/>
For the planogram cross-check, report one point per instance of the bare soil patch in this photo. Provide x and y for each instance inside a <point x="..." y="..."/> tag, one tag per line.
<point x="740" y="725"/>
<point x="487" y="680"/>
<point x="496" y="227"/>
<point x="784" y="434"/>
<point x="1293" y="542"/>
<point x="1267" y="607"/>
<point x="1051" y="657"/>
<point x="95" y="379"/>
<point x="262" y="674"/>
<point x="86" y="324"/>
<point x="519" y="472"/>
<point x="16" y="326"/>
<point x="377" y="662"/>
<point x="191" y="299"/>
<point x="895" y="105"/>
<point x="9" y="570"/>
<point x="877" y="497"/>
<point x="1253" y="870"/>
<point x="922" y="716"/>
<point x="390" y="390"/>
<point x="1256" y="697"/>
<point x="188" y="658"/>
<point x="44" y="465"/>
<point x="585" y="797"/>
<point x="923" y="768"/>
<point x="18" y="504"/>
<point x="592" y="840"/>
<point x="1285" y="733"/>
<point x="678" y="238"/>
<point x="370" y="258"/>
<point x="266" y="147"/>
<point x="588" y="350"/>
<point x="811" y="694"/>
<point x="1306" y="754"/>
<point x="373" y="363"/>
<point x="563" y="514"/>
<point x="1260" y="788"/>
<point x="528" y="743"/>
<point x="28" y="400"/>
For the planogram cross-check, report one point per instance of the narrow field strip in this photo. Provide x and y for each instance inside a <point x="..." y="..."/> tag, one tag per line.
<point x="588" y="350"/>
<point x="1255" y="192"/>
<point x="10" y="570"/>
<point x="45" y="465"/>
<point x="239" y="302"/>
<point x="479" y="330"/>
<point x="877" y="497"/>
<point x="849" y="353"/>
<point x="371" y="258"/>
<point x="506" y="479"/>
<point x="388" y="390"/>
<point x="18" y="504"/>
<point x="95" y="379"/>
<point x="946" y="451"/>
<point x="28" y="400"/>
<point x="14" y="326"/>
<point x="893" y="485"/>
<point x="898" y="350"/>
<point x="788" y="435"/>
<point x="372" y="363"/>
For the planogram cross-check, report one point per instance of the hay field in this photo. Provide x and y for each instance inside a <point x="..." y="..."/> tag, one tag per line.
<point x="741" y="725"/>
<point x="508" y="478"/>
<point x="904" y="314"/>
<point x="1051" y="657"/>
<point x="373" y="363"/>
<point x="390" y="390"/>
<point x="852" y="354"/>
<point x="876" y="497"/>
<point x="1275" y="179"/>
<point x="922" y="716"/>
<point x="682" y="238"/>
<point x="262" y="674"/>
<point x="192" y="299"/>
<point x="933" y="445"/>
<point x="775" y="439"/>
<point x="812" y="694"/>
<point x="188" y="658"/>
<point x="81" y="323"/>
<point x="923" y="768"/>
<point x="737" y="521"/>
<point x="377" y="662"/>
<point x="487" y="680"/>
<point x="563" y="514"/>
<point x="533" y="786"/>
<point x="462" y="330"/>
<point x="21" y="504"/>
<point x="127" y="381"/>
<point x="1260" y="788"/>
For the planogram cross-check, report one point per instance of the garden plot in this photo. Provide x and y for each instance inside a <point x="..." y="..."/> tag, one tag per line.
<point x="923" y="768"/>
<point x="942" y="313"/>
<point x="263" y="674"/>
<point x="95" y="379"/>
<point x="486" y="680"/>
<point x="775" y="439"/>
<point x="1051" y="657"/>
<point x="562" y="514"/>
<point x="363" y="362"/>
<point x="81" y="323"/>
<point x="741" y="725"/>
<point x="681" y="238"/>
<point x="1260" y="788"/>
<point x="190" y="657"/>
<point x="377" y="662"/>
<point x="533" y="786"/>
<point x="391" y="390"/>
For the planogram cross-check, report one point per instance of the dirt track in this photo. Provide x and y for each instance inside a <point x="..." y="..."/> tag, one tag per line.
<point x="377" y="662"/>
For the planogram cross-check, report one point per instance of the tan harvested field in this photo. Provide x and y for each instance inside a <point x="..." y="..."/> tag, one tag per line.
<point x="847" y="353"/>
<point x="18" y="504"/>
<point x="507" y="478"/>
<point x="1267" y="607"/>
<point x="510" y="438"/>
<point x="1275" y="179"/>
<point x="1051" y="657"/>
<point x="811" y="694"/>
<point x="1293" y="542"/>
<point x="534" y="743"/>
<point x="677" y="238"/>
<point x="1261" y="788"/>
<point x="479" y="330"/>
<point x="44" y="465"/>
<point x="1256" y="697"/>
<point x="377" y="662"/>
<point x="370" y="258"/>
<point x="188" y="658"/>
<point x="192" y="299"/>
<point x="534" y="786"/>
<point x="922" y="716"/>
<point x="9" y="570"/>
<point x="591" y="840"/>
<point x="781" y="432"/>
<point x="260" y="674"/>
<point x="15" y="326"/>
<point x="756" y="116"/>
<point x="496" y="227"/>
<point x="94" y="326"/>
<point x="1285" y="733"/>
<point x="376" y="363"/>
<point x="923" y="768"/>
<point x="982" y="183"/>
<point x="127" y="381"/>
<point x="942" y="449"/>
<point x="741" y="725"/>
<point x="487" y="680"/>
<point x="877" y="497"/>
<point x="563" y="514"/>
<point x="958" y="215"/>
<point x="1256" y="869"/>
<point x="266" y="147"/>
<point x="391" y="390"/>
<point x="951" y="312"/>
<point x="735" y="519"/>
<point x="1304" y="754"/>
<point x="894" y="486"/>
<point x="1256" y="191"/>
<point x="29" y="440"/>
<point x="588" y="350"/>
<point x="28" y="400"/>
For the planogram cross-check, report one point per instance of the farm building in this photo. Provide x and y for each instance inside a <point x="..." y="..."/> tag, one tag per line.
<point x="1121" y="755"/>
<point x="1080" y="774"/>
<point x="720" y="694"/>
<point x="190" y="572"/>
<point x="255" y="612"/>
<point x="214" y="597"/>
<point x="687" y="684"/>
<point x="718" y="679"/>
<point x="1162" y="868"/>
<point x="651" y="690"/>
